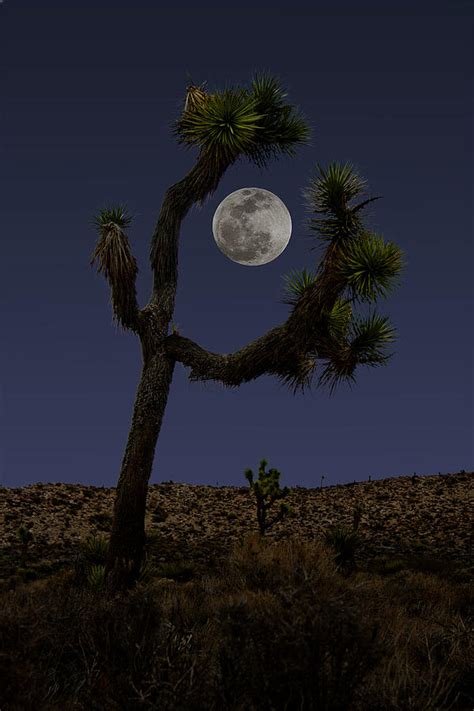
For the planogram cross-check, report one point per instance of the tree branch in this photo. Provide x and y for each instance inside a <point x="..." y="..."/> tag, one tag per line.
<point x="200" y="183"/>
<point x="120" y="269"/>
<point x="288" y="351"/>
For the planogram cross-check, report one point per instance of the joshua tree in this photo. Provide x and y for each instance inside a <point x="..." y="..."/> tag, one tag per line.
<point x="257" y="124"/>
<point x="267" y="490"/>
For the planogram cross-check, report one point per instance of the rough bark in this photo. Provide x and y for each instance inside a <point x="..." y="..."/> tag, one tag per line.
<point x="283" y="351"/>
<point x="126" y="545"/>
<point x="127" y="540"/>
<point x="201" y="182"/>
<point x="288" y="351"/>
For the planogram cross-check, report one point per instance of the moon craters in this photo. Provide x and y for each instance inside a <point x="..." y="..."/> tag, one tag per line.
<point x="252" y="226"/>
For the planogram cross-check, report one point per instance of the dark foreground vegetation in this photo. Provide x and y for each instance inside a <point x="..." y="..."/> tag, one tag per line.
<point x="276" y="626"/>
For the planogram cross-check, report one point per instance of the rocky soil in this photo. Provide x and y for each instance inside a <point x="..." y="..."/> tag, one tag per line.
<point x="428" y="515"/>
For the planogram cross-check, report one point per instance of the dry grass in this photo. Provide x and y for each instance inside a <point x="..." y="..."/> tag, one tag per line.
<point x="278" y="626"/>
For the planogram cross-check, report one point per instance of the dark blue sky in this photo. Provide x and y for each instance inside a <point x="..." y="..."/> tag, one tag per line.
<point x="88" y="95"/>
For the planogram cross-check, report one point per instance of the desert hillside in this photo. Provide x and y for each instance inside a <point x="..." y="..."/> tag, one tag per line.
<point x="430" y="516"/>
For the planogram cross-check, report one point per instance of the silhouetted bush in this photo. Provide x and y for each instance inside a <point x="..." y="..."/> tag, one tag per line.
<point x="344" y="541"/>
<point x="276" y="627"/>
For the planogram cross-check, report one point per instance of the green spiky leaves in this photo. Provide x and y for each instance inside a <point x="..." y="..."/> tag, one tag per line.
<point x="369" y="266"/>
<point x="96" y="578"/>
<point x="95" y="549"/>
<point x="224" y="124"/>
<point x="369" y="337"/>
<point x="148" y="571"/>
<point x="340" y="368"/>
<point x="256" y="123"/>
<point x="362" y="263"/>
<point x="283" y="126"/>
<point x="339" y="318"/>
<point x="329" y="193"/>
<point x="116" y="261"/>
<point x="297" y="282"/>
<point x="108" y="217"/>
<point x="367" y="340"/>
<point x="333" y="188"/>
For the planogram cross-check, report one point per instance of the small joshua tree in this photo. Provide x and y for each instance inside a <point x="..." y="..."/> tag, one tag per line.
<point x="357" y="515"/>
<point x="267" y="491"/>
<point x="25" y="537"/>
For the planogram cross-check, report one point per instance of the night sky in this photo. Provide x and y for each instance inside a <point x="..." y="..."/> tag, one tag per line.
<point x="89" y="92"/>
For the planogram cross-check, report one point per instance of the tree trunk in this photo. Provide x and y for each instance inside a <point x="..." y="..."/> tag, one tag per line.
<point x="127" y="540"/>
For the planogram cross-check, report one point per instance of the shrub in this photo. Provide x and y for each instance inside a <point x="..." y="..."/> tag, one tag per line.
<point x="387" y="565"/>
<point x="102" y="520"/>
<point x="181" y="571"/>
<point x="96" y="577"/>
<point x="357" y="515"/>
<point x="95" y="548"/>
<point x="159" y="514"/>
<point x="275" y="628"/>
<point x="344" y="541"/>
<point x="25" y="537"/>
<point x="92" y="553"/>
<point x="26" y="574"/>
<point x="148" y="571"/>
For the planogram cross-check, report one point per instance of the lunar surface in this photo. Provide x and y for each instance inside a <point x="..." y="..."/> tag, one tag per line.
<point x="252" y="226"/>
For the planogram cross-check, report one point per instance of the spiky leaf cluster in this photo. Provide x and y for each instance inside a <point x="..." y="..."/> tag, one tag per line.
<point x="339" y="318"/>
<point x="224" y="124"/>
<point x="116" y="261"/>
<point x="112" y="216"/>
<point x="344" y="541"/>
<point x="283" y="126"/>
<point x="329" y="193"/>
<point x="369" y="265"/>
<point x="255" y="123"/>
<point x="90" y="564"/>
<point x="96" y="578"/>
<point x="94" y="549"/>
<point x="297" y="283"/>
<point x="339" y="368"/>
<point x="333" y="188"/>
<point x="367" y="339"/>
<point x="362" y="264"/>
<point x="148" y="571"/>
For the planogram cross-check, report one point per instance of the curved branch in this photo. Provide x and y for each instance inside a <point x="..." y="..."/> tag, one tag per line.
<point x="195" y="187"/>
<point x="288" y="351"/>
<point x="264" y="355"/>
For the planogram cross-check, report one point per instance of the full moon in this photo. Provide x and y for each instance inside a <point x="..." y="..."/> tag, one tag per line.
<point x="252" y="226"/>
